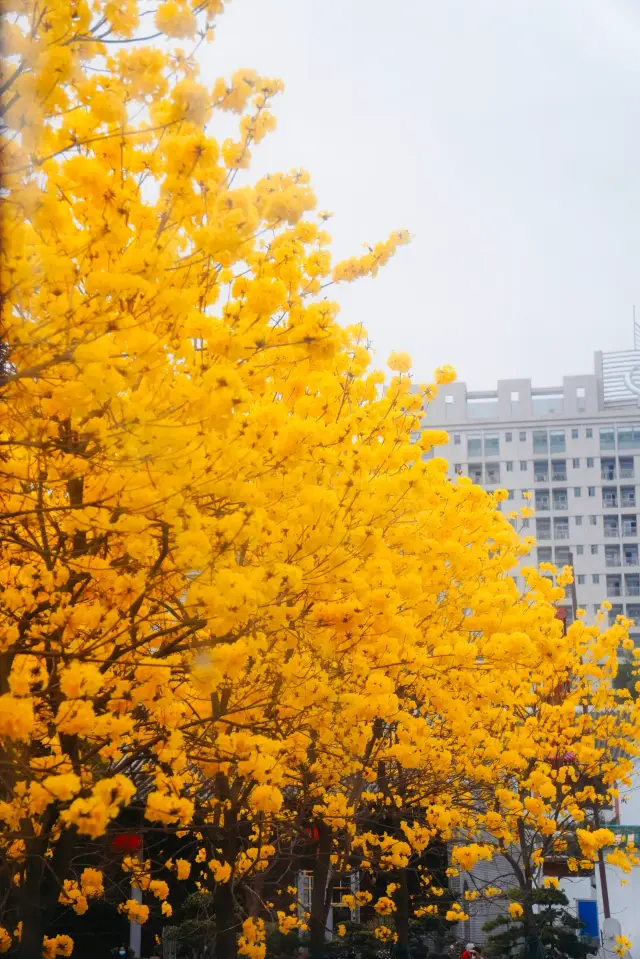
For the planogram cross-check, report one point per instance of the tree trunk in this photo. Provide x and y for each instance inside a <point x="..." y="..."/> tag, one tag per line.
<point x="227" y="927"/>
<point x="226" y="931"/>
<point x="319" y="904"/>
<point x="402" y="916"/>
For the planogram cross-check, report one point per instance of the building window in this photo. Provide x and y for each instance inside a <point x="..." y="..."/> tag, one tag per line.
<point x="581" y="397"/>
<point x="612" y="555"/>
<point x="629" y="525"/>
<point x="593" y="520"/>
<point x="557" y="441"/>
<point x="578" y="520"/>
<point x="576" y="463"/>
<point x="626" y="467"/>
<point x="491" y="444"/>
<point x="628" y="438"/>
<point x="607" y="438"/>
<point x="456" y="439"/>
<point x="523" y="464"/>
<point x="595" y="578"/>
<point x="627" y="496"/>
<point x="577" y="491"/>
<point x="561" y="527"/>
<point x="511" y="494"/>
<point x="590" y="462"/>
<point x="541" y="471"/>
<point x="610" y="526"/>
<point x="475" y="472"/>
<point x="610" y="497"/>
<point x="523" y="436"/>
<point x="509" y="467"/>
<point x="574" y="434"/>
<point x="543" y="528"/>
<point x="607" y="468"/>
<point x="540" y="441"/>
<point x="492" y="473"/>
<point x="544" y="554"/>
<point x="560" y="499"/>
<point x="592" y="491"/>
<point x="589" y="433"/>
<point x="508" y="437"/>
<point x="630" y="554"/>
<point x="632" y="584"/>
<point x="542" y="500"/>
<point x="474" y="446"/>
<point x="614" y="585"/>
<point x="594" y="549"/>
<point x="580" y="579"/>
<point x="559" y="471"/>
<point x="579" y="549"/>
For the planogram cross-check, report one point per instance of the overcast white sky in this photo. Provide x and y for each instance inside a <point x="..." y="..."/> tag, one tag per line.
<point x="503" y="133"/>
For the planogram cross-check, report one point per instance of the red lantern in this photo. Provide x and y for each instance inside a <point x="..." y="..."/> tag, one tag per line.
<point x="312" y="833"/>
<point x="127" y="843"/>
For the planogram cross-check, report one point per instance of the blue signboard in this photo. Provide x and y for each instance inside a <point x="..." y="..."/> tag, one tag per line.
<point x="588" y="914"/>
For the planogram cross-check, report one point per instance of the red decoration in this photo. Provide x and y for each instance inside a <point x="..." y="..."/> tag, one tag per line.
<point x="126" y="842"/>
<point x="312" y="832"/>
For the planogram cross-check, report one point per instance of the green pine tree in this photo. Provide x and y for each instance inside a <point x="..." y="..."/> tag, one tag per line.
<point x="557" y="931"/>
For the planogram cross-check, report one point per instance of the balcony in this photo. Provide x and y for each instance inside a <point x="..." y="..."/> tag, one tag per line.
<point x="629" y="529"/>
<point x="475" y="472"/>
<point x="559" y="471"/>
<point x="611" y="531"/>
<point x="541" y="477"/>
<point x="612" y="556"/>
<point x="492" y="473"/>
<point x="560" y="502"/>
<point x="632" y="589"/>
<point x="626" y="468"/>
<point x="608" y="469"/>
<point x="628" y="498"/>
<point x="614" y="590"/>
<point x="561" y="531"/>
<point x="542" y="502"/>
<point x="609" y="500"/>
<point x="630" y="556"/>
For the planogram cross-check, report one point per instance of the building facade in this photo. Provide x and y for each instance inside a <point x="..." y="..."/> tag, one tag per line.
<point x="576" y="449"/>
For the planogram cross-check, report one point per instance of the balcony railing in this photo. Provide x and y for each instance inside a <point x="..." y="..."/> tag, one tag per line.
<point x="630" y="530"/>
<point x="561" y="534"/>
<point x="612" y="561"/>
<point x="628" y="501"/>
<point x="611" y="502"/>
<point x="627" y="472"/>
<point x="633" y="590"/>
<point x="614" y="591"/>
<point x="560" y="504"/>
<point x="630" y="561"/>
<point x="611" y="531"/>
<point x="543" y="534"/>
<point x="542" y="504"/>
<point x="559" y="477"/>
<point x="608" y="474"/>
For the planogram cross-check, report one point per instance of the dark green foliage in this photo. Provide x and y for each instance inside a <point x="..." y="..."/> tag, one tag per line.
<point x="557" y="931"/>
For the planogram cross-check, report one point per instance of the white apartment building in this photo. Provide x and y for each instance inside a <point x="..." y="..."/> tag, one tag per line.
<point x="576" y="448"/>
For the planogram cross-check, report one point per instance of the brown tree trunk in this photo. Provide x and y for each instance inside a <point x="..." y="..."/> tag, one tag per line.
<point x="319" y="900"/>
<point x="402" y="916"/>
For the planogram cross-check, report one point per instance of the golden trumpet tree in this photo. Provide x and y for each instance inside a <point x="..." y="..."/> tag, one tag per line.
<point x="229" y="582"/>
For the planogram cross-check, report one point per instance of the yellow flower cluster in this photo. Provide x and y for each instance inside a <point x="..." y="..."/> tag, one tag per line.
<point x="232" y="589"/>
